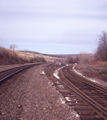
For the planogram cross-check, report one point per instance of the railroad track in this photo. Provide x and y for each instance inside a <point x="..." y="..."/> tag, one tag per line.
<point x="88" y="99"/>
<point x="10" y="75"/>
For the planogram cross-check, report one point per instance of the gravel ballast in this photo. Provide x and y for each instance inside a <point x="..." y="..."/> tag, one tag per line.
<point x="32" y="97"/>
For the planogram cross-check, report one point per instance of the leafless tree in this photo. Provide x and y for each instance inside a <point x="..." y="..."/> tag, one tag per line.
<point x="72" y="59"/>
<point x="101" y="52"/>
<point x="83" y="57"/>
<point x="13" y="46"/>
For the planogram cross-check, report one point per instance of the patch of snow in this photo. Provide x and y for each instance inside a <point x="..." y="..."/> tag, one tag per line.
<point x="68" y="98"/>
<point x="43" y="73"/>
<point x="91" y="79"/>
<point x="61" y="86"/>
<point x="62" y="100"/>
<point x="66" y="64"/>
<point x="57" y="82"/>
<point x="77" y="115"/>
<point x="55" y="74"/>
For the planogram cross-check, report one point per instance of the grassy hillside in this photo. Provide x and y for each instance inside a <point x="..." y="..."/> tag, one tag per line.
<point x="8" y="56"/>
<point x="48" y="57"/>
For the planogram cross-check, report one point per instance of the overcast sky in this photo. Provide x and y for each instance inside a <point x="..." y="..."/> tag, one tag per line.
<point x="52" y="26"/>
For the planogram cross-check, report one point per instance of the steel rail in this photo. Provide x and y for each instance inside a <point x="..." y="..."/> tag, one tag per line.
<point x="95" y="85"/>
<point x="12" y="74"/>
<point x="100" y="110"/>
<point x="13" y="68"/>
<point x="96" y="106"/>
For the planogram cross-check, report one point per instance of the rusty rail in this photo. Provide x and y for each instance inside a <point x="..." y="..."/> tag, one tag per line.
<point x="5" y="74"/>
<point x="95" y="106"/>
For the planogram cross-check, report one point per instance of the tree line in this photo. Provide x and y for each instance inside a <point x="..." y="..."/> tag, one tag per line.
<point x="100" y="53"/>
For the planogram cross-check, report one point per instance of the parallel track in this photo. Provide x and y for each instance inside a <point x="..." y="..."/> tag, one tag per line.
<point x="6" y="74"/>
<point x="91" y="99"/>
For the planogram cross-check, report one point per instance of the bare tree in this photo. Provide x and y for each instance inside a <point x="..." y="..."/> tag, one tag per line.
<point x="83" y="57"/>
<point x="72" y="59"/>
<point x="13" y="46"/>
<point x="101" y="52"/>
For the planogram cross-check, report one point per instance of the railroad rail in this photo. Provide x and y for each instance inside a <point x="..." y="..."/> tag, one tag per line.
<point x="6" y="74"/>
<point x="88" y="99"/>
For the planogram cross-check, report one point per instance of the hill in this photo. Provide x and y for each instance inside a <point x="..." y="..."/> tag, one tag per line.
<point x="52" y="55"/>
<point x="8" y="56"/>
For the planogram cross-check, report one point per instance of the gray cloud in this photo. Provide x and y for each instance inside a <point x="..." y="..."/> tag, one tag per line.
<point x="65" y="22"/>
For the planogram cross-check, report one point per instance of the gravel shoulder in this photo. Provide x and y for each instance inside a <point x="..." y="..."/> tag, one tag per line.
<point x="32" y="97"/>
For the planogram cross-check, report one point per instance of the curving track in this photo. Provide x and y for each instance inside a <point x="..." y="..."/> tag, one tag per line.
<point x="10" y="75"/>
<point x="89" y="99"/>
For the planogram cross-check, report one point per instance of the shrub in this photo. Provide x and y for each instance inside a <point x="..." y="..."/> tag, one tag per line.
<point x="43" y="60"/>
<point x="31" y="60"/>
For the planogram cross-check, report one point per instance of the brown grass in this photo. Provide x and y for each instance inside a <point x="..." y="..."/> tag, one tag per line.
<point x="8" y="56"/>
<point x="95" y="69"/>
<point x="99" y="63"/>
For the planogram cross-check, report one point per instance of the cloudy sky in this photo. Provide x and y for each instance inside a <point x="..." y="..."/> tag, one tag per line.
<point x="52" y="26"/>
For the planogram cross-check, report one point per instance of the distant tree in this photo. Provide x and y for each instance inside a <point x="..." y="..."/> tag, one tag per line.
<point x="101" y="52"/>
<point x="83" y="57"/>
<point x="13" y="46"/>
<point x="43" y="59"/>
<point x="70" y="59"/>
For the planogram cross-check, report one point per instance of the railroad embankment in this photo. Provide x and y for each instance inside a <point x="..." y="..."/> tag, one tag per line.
<point x="32" y="96"/>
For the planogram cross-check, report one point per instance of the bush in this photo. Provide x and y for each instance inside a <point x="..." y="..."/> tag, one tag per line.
<point x="43" y="60"/>
<point x="31" y="60"/>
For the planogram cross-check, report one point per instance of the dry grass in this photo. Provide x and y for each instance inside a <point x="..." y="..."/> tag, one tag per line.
<point x="99" y="63"/>
<point x="94" y="69"/>
<point x="8" y="56"/>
